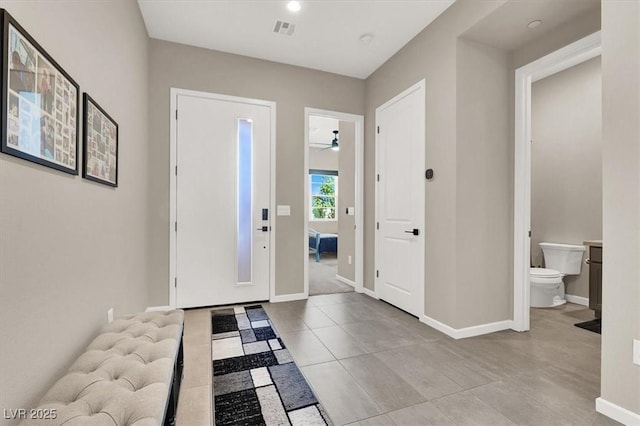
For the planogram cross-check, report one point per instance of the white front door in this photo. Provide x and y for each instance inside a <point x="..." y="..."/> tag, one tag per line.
<point x="222" y="201"/>
<point x="400" y="154"/>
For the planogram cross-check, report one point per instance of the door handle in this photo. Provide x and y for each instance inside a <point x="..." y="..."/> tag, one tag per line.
<point x="414" y="231"/>
<point x="263" y="229"/>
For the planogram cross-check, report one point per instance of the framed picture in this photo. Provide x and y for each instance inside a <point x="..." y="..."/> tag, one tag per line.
<point x="100" y="136"/>
<point x="39" y="102"/>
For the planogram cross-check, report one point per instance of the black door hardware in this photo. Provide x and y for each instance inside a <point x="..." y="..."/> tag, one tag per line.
<point x="429" y="174"/>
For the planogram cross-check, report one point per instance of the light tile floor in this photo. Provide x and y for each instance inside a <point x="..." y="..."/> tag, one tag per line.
<point x="372" y="364"/>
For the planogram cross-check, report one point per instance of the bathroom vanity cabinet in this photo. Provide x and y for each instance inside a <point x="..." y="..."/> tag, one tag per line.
<point x="595" y="277"/>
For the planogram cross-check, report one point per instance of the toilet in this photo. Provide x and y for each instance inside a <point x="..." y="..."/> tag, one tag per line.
<point x="547" y="285"/>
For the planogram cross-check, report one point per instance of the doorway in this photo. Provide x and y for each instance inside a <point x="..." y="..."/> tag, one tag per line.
<point x="560" y="60"/>
<point x="221" y="199"/>
<point x="400" y="200"/>
<point x="333" y="193"/>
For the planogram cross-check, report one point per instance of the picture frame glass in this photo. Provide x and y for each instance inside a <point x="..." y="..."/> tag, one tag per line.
<point x="42" y="105"/>
<point x="101" y="148"/>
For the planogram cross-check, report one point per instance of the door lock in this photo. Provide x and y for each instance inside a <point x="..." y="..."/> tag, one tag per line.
<point x="263" y="229"/>
<point x="414" y="231"/>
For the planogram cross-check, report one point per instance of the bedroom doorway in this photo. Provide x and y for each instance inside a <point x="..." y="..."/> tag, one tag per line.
<point x="333" y="202"/>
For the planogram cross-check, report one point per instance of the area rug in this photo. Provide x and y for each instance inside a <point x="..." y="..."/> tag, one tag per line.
<point x="255" y="380"/>
<point x="593" y="325"/>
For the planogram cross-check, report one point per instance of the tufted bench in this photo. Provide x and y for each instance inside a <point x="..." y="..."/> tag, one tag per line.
<point x="128" y="376"/>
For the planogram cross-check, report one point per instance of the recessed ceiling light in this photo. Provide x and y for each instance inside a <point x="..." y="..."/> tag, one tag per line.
<point x="533" y="24"/>
<point x="294" y="6"/>
<point x="366" y="38"/>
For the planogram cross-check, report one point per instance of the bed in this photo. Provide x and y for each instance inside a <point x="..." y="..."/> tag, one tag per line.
<point x="322" y="243"/>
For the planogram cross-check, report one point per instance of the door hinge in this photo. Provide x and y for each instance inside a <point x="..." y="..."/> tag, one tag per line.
<point x="176" y="170"/>
<point x="377" y="274"/>
<point x="176" y="226"/>
<point x="378" y="177"/>
<point x="175" y="282"/>
<point x="529" y="234"/>
<point x="377" y="225"/>
<point x="176" y="114"/>
<point x="378" y="129"/>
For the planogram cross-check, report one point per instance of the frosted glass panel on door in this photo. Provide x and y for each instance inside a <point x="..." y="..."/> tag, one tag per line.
<point x="245" y="199"/>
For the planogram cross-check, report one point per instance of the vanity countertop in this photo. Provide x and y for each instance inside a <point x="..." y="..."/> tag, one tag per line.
<point x="594" y="243"/>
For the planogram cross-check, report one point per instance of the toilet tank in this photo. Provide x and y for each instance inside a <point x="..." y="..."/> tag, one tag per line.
<point x="564" y="258"/>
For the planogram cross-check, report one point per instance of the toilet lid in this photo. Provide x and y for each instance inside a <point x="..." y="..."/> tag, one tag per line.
<point x="544" y="273"/>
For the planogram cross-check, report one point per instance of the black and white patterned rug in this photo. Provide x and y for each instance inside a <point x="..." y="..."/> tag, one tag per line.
<point x="255" y="380"/>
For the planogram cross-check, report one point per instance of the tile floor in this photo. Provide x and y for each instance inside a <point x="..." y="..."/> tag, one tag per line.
<point x="371" y="364"/>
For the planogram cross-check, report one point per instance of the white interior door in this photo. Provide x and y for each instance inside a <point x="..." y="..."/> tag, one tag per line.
<point x="222" y="187"/>
<point x="400" y="154"/>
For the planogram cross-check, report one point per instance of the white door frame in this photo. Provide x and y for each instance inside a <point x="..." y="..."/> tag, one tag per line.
<point x="359" y="186"/>
<point x="421" y="85"/>
<point x="173" y="164"/>
<point x="567" y="57"/>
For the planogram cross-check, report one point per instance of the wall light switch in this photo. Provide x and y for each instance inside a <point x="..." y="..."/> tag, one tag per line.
<point x="283" y="211"/>
<point x="110" y="315"/>
<point x="636" y="351"/>
<point x="351" y="211"/>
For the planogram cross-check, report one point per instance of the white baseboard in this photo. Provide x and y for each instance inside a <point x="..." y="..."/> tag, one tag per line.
<point x="578" y="300"/>
<point x="370" y="293"/>
<point x="345" y="280"/>
<point x="288" y="297"/>
<point x="622" y="415"/>
<point x="158" y="308"/>
<point x="461" y="333"/>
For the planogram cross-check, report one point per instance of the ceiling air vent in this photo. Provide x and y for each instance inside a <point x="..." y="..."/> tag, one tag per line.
<point x="283" y="27"/>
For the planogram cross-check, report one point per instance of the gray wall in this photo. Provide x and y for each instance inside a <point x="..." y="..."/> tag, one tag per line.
<point x="292" y="88"/>
<point x="325" y="159"/>
<point x="621" y="196"/>
<point x="566" y="163"/>
<point x="347" y="198"/>
<point x="71" y="249"/>
<point x="484" y="200"/>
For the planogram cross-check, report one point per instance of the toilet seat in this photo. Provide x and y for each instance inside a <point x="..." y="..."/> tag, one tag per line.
<point x="544" y="273"/>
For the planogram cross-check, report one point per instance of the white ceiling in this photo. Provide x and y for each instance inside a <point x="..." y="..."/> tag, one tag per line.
<point x="506" y="28"/>
<point x="321" y="130"/>
<point x="326" y="37"/>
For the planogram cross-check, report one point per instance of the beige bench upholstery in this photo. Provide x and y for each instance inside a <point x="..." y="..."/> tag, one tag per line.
<point x="124" y="377"/>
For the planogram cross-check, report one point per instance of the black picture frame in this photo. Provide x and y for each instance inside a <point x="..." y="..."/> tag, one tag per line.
<point x="100" y="144"/>
<point x="40" y="102"/>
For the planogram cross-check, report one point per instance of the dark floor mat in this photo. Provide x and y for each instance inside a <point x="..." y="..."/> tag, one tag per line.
<point x="593" y="325"/>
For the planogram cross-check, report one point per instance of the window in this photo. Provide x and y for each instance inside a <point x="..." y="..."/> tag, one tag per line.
<point x="245" y="200"/>
<point x="324" y="195"/>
